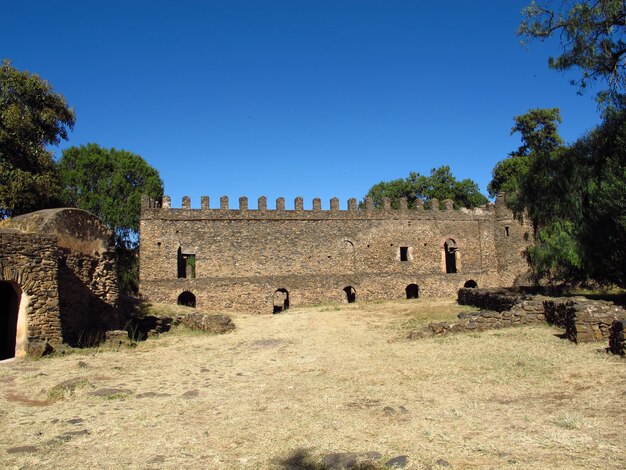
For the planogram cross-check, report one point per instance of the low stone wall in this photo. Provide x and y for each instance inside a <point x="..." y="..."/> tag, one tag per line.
<point x="617" y="341"/>
<point x="584" y="320"/>
<point x="497" y="300"/>
<point x="526" y="312"/>
<point x="590" y="320"/>
<point x="558" y="311"/>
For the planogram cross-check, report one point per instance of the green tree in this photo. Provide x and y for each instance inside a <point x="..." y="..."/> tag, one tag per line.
<point x="32" y="117"/>
<point x="109" y="183"/>
<point x="602" y="224"/>
<point x="440" y="184"/>
<point x="576" y="199"/>
<point x="592" y="41"/>
<point x="540" y="140"/>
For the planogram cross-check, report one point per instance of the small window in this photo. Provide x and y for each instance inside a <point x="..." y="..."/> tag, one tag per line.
<point x="506" y="230"/>
<point x="404" y="253"/>
<point x="186" y="265"/>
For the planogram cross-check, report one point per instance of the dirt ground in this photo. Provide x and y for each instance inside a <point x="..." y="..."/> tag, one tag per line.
<point x="320" y="380"/>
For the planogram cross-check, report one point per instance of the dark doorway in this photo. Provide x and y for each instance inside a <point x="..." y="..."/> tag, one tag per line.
<point x="9" y="307"/>
<point x="450" y="250"/>
<point x="186" y="263"/>
<point x="404" y="253"/>
<point x="187" y="299"/>
<point x="472" y="284"/>
<point x="182" y="265"/>
<point x="280" y="300"/>
<point x="350" y="294"/>
<point x="412" y="291"/>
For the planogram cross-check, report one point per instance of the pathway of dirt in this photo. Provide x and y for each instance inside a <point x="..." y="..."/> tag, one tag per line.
<point x="320" y="381"/>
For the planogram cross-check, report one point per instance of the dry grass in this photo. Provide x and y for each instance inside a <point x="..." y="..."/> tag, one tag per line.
<point x="332" y="378"/>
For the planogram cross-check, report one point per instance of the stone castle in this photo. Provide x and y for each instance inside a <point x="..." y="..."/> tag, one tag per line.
<point x="265" y="260"/>
<point x="58" y="281"/>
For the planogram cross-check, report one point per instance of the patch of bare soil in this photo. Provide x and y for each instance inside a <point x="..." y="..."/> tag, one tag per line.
<point x="313" y="387"/>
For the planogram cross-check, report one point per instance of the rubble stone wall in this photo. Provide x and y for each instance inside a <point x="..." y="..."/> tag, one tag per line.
<point x="29" y="263"/>
<point x="64" y="260"/>
<point x="584" y="320"/>
<point x="242" y="257"/>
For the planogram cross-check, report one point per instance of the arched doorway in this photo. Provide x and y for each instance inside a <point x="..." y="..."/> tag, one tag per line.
<point x="187" y="299"/>
<point x="350" y="294"/>
<point x="471" y="284"/>
<point x="280" y="300"/>
<point x="9" y="308"/>
<point x="450" y="250"/>
<point x="412" y="291"/>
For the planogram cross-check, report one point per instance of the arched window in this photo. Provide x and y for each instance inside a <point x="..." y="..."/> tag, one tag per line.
<point x="450" y="250"/>
<point x="412" y="291"/>
<point x="9" y="308"/>
<point x="280" y="300"/>
<point x="187" y="299"/>
<point x="350" y="294"/>
<point x="472" y="284"/>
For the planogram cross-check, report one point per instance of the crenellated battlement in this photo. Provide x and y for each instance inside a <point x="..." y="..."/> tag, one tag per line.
<point x="435" y="206"/>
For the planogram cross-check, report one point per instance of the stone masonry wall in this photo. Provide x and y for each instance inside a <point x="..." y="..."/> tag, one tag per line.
<point x="584" y="320"/>
<point x="30" y="263"/>
<point x="88" y="296"/>
<point x="78" y="248"/>
<point x="243" y="256"/>
<point x="523" y="313"/>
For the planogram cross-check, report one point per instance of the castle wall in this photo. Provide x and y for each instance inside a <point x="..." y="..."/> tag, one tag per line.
<point x="243" y="256"/>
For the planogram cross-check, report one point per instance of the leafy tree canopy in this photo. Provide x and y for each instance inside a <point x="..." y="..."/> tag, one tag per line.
<point x="109" y="183"/>
<point x="32" y="117"/>
<point x="592" y="41"/>
<point x="538" y="130"/>
<point x="440" y="184"/>
<point x="576" y="199"/>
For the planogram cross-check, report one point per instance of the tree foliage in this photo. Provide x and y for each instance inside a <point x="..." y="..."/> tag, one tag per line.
<point x="540" y="143"/>
<point x="592" y="40"/>
<point x="576" y="199"/>
<point x="32" y="117"/>
<point x="109" y="183"/>
<point x="440" y="184"/>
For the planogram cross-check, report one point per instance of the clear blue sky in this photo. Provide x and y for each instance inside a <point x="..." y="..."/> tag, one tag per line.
<point x="289" y="98"/>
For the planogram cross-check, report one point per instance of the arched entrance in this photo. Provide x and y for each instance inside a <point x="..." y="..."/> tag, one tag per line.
<point x="350" y="294"/>
<point x="412" y="291"/>
<point x="280" y="300"/>
<point x="187" y="299"/>
<point x="450" y="249"/>
<point x="472" y="284"/>
<point x="9" y="308"/>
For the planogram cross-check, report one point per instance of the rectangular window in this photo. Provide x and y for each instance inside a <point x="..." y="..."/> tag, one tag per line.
<point x="404" y="253"/>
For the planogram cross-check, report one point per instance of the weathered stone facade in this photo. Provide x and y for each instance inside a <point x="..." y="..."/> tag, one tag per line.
<point x="29" y="302"/>
<point x="58" y="280"/>
<point x="263" y="260"/>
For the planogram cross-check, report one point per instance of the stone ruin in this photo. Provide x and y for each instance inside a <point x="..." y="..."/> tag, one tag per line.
<point x="58" y="281"/>
<point x="264" y="260"/>
<point x="583" y="320"/>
